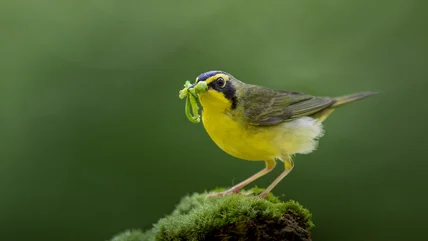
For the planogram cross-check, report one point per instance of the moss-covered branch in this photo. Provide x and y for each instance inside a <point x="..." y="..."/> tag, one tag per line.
<point x="233" y="217"/>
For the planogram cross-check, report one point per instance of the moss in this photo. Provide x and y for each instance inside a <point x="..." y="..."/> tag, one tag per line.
<point x="233" y="217"/>
<point x="134" y="235"/>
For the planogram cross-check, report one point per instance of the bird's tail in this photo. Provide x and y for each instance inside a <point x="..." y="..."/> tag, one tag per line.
<point x="339" y="101"/>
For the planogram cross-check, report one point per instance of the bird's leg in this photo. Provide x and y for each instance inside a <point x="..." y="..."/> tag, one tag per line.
<point x="289" y="164"/>
<point x="235" y="189"/>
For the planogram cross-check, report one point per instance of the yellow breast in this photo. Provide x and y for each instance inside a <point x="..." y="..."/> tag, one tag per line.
<point x="231" y="134"/>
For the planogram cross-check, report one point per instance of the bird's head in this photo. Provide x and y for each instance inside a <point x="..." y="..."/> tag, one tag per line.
<point x="222" y="90"/>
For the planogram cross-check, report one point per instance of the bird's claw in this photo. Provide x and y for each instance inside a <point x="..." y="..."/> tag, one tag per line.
<point x="262" y="195"/>
<point x="230" y="192"/>
<point x="225" y="193"/>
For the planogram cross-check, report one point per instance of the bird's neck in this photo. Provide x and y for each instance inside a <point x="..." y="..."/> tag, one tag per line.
<point x="214" y="102"/>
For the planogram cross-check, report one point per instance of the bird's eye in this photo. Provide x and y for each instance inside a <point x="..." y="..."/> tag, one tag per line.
<point x="221" y="82"/>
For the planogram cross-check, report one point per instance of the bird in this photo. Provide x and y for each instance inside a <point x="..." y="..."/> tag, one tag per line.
<point x="257" y="123"/>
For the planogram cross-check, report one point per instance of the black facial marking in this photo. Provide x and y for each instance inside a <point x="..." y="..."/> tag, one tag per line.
<point x="228" y="91"/>
<point x="234" y="102"/>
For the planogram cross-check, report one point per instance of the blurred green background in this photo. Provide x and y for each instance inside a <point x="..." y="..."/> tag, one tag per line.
<point x="94" y="140"/>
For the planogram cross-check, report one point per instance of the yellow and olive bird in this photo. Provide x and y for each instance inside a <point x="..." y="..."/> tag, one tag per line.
<point x="255" y="123"/>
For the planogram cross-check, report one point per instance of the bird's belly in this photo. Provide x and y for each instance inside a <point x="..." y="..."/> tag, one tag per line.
<point x="239" y="140"/>
<point x="255" y="143"/>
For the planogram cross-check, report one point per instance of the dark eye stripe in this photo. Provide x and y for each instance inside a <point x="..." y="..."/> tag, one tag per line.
<point x="228" y="91"/>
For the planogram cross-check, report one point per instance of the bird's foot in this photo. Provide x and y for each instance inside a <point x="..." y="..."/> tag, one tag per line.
<point x="225" y="193"/>
<point x="263" y="195"/>
<point x="237" y="191"/>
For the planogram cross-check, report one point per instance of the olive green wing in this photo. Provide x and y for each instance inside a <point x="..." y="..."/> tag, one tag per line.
<point x="263" y="106"/>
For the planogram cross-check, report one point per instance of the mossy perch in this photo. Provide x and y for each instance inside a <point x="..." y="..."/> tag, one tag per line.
<point x="233" y="217"/>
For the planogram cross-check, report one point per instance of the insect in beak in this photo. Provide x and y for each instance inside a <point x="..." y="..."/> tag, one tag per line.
<point x="190" y="92"/>
<point x="198" y="87"/>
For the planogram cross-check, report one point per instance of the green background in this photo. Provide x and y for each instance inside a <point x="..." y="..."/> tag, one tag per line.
<point x="94" y="140"/>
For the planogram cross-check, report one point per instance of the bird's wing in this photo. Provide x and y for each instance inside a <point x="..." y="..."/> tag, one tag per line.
<point x="263" y="106"/>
